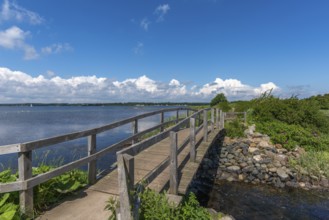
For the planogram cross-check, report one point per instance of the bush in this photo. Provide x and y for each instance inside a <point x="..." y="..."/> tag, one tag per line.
<point x="235" y="128"/>
<point x="289" y="136"/>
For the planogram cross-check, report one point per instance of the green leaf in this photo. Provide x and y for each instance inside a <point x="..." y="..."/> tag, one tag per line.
<point x="8" y="215"/>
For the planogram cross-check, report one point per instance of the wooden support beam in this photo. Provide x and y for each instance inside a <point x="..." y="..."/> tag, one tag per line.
<point x="221" y="119"/>
<point x="173" y="164"/>
<point x="24" y="173"/>
<point x="135" y="129"/>
<point x="212" y="119"/>
<point x="92" y="164"/>
<point x="129" y="162"/>
<point x="162" y="121"/>
<point x="217" y="118"/>
<point x="177" y="116"/>
<point x="205" y="125"/>
<point x="125" y="212"/>
<point x="192" y="140"/>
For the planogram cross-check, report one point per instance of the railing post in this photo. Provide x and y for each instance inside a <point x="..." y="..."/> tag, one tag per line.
<point x="205" y="125"/>
<point x="92" y="164"/>
<point x="192" y="140"/>
<point x="221" y="119"/>
<point x="217" y="118"/>
<point x="129" y="162"/>
<point x="212" y="119"/>
<point x="177" y="116"/>
<point x="173" y="164"/>
<point x="125" y="212"/>
<point x="135" y="129"/>
<point x="24" y="173"/>
<point x="162" y="121"/>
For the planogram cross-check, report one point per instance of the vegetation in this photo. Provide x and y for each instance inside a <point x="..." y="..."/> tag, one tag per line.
<point x="45" y="194"/>
<point x="235" y="128"/>
<point x="221" y="102"/>
<point x="156" y="206"/>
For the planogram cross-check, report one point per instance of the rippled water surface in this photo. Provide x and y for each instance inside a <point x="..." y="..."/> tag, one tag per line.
<point x="23" y="124"/>
<point x="245" y="201"/>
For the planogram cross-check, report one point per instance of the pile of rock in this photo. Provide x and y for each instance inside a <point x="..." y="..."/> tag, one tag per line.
<point x="255" y="160"/>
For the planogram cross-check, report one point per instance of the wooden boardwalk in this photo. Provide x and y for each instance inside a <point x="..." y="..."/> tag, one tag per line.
<point x="90" y="203"/>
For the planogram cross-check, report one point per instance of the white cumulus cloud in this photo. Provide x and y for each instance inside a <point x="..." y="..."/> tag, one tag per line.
<point x="14" y="38"/>
<point x="17" y="86"/>
<point x="56" y="48"/>
<point x="11" y="11"/>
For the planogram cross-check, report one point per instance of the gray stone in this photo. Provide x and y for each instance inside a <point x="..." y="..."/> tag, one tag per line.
<point x="282" y="174"/>
<point x="263" y="144"/>
<point x="243" y="164"/>
<point x="233" y="168"/>
<point x="257" y="158"/>
<point x="230" y="156"/>
<point x="253" y="149"/>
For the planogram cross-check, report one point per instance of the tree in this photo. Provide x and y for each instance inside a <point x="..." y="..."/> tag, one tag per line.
<point x="219" y="98"/>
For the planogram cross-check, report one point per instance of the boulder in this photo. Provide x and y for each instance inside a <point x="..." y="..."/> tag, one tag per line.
<point x="282" y="174"/>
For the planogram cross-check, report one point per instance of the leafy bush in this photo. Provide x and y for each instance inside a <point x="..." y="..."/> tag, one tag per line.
<point x="45" y="194"/>
<point x="291" y="135"/>
<point x="315" y="163"/>
<point x="219" y="98"/>
<point x="235" y="128"/>
<point x="156" y="206"/>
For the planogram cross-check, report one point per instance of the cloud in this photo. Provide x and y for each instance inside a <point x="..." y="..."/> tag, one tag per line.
<point x="139" y="48"/>
<point x="145" y="24"/>
<point x="17" y="86"/>
<point x="56" y="48"/>
<point x="161" y="11"/>
<point x="11" y="11"/>
<point x="14" y="38"/>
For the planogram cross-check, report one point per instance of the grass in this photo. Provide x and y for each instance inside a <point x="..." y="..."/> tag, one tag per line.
<point x="326" y="112"/>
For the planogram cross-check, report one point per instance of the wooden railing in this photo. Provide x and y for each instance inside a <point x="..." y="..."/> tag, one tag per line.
<point x="125" y="157"/>
<point x="26" y="181"/>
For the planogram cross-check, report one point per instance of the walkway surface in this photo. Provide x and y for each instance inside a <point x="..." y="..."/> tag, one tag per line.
<point x="90" y="203"/>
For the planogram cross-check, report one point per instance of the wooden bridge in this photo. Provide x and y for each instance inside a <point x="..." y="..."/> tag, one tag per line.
<point x="168" y="160"/>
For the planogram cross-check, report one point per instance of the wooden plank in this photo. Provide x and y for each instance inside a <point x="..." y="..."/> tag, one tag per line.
<point x="173" y="164"/>
<point x="92" y="164"/>
<point x="125" y="212"/>
<point x="212" y="119"/>
<point x="135" y="130"/>
<point x="24" y="173"/>
<point x="12" y="187"/>
<point x="8" y="149"/>
<point x="217" y="118"/>
<point x="129" y="162"/>
<point x="192" y="140"/>
<point x="205" y="126"/>
<point x="162" y="121"/>
<point x="155" y="172"/>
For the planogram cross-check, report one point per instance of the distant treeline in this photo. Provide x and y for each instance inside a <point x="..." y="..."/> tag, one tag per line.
<point x="111" y="104"/>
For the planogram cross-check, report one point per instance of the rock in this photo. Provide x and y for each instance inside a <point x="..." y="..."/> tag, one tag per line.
<point x="279" y="146"/>
<point x="301" y="184"/>
<point x="257" y="158"/>
<point x="233" y="168"/>
<point x="247" y="169"/>
<point x="324" y="183"/>
<point x="263" y="144"/>
<point x="253" y="149"/>
<point x="255" y="172"/>
<point x="241" y="177"/>
<point x="282" y="174"/>
<point x="230" y="156"/>
<point x="243" y="164"/>
<point x="273" y="170"/>
<point x="231" y="179"/>
<point x="315" y="178"/>
<point x="227" y="217"/>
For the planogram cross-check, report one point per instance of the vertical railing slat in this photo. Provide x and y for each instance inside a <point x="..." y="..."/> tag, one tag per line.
<point x="212" y="119"/>
<point x="217" y="118"/>
<point x="92" y="164"/>
<point x="24" y="173"/>
<point x="205" y="125"/>
<point x="173" y="164"/>
<point x="135" y="129"/>
<point x="192" y="140"/>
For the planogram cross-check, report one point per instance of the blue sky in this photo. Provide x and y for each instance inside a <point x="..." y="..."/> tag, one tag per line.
<point x="179" y="50"/>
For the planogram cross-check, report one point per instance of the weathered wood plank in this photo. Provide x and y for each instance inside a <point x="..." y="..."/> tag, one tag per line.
<point x="192" y="140"/>
<point x="92" y="164"/>
<point x="129" y="162"/>
<point x="205" y="125"/>
<point x="8" y="149"/>
<point x="173" y="164"/>
<point x="124" y="189"/>
<point x="24" y="173"/>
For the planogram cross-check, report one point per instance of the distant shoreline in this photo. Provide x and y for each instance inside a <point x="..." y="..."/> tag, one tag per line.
<point x="110" y="104"/>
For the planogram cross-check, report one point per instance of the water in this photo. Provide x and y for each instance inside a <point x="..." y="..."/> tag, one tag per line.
<point x="246" y="201"/>
<point x="23" y="124"/>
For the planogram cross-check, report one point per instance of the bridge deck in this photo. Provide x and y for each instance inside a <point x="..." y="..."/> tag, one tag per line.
<point x="90" y="203"/>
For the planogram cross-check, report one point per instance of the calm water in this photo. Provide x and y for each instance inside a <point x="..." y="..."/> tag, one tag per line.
<point x="22" y="124"/>
<point x="251" y="202"/>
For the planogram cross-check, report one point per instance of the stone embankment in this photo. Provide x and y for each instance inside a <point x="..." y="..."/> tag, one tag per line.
<point x="255" y="160"/>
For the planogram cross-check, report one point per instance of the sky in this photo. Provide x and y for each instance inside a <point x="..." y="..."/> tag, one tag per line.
<point x="158" y="51"/>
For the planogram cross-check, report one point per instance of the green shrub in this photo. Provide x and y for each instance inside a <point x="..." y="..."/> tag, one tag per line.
<point x="291" y="135"/>
<point x="315" y="163"/>
<point x="235" y="128"/>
